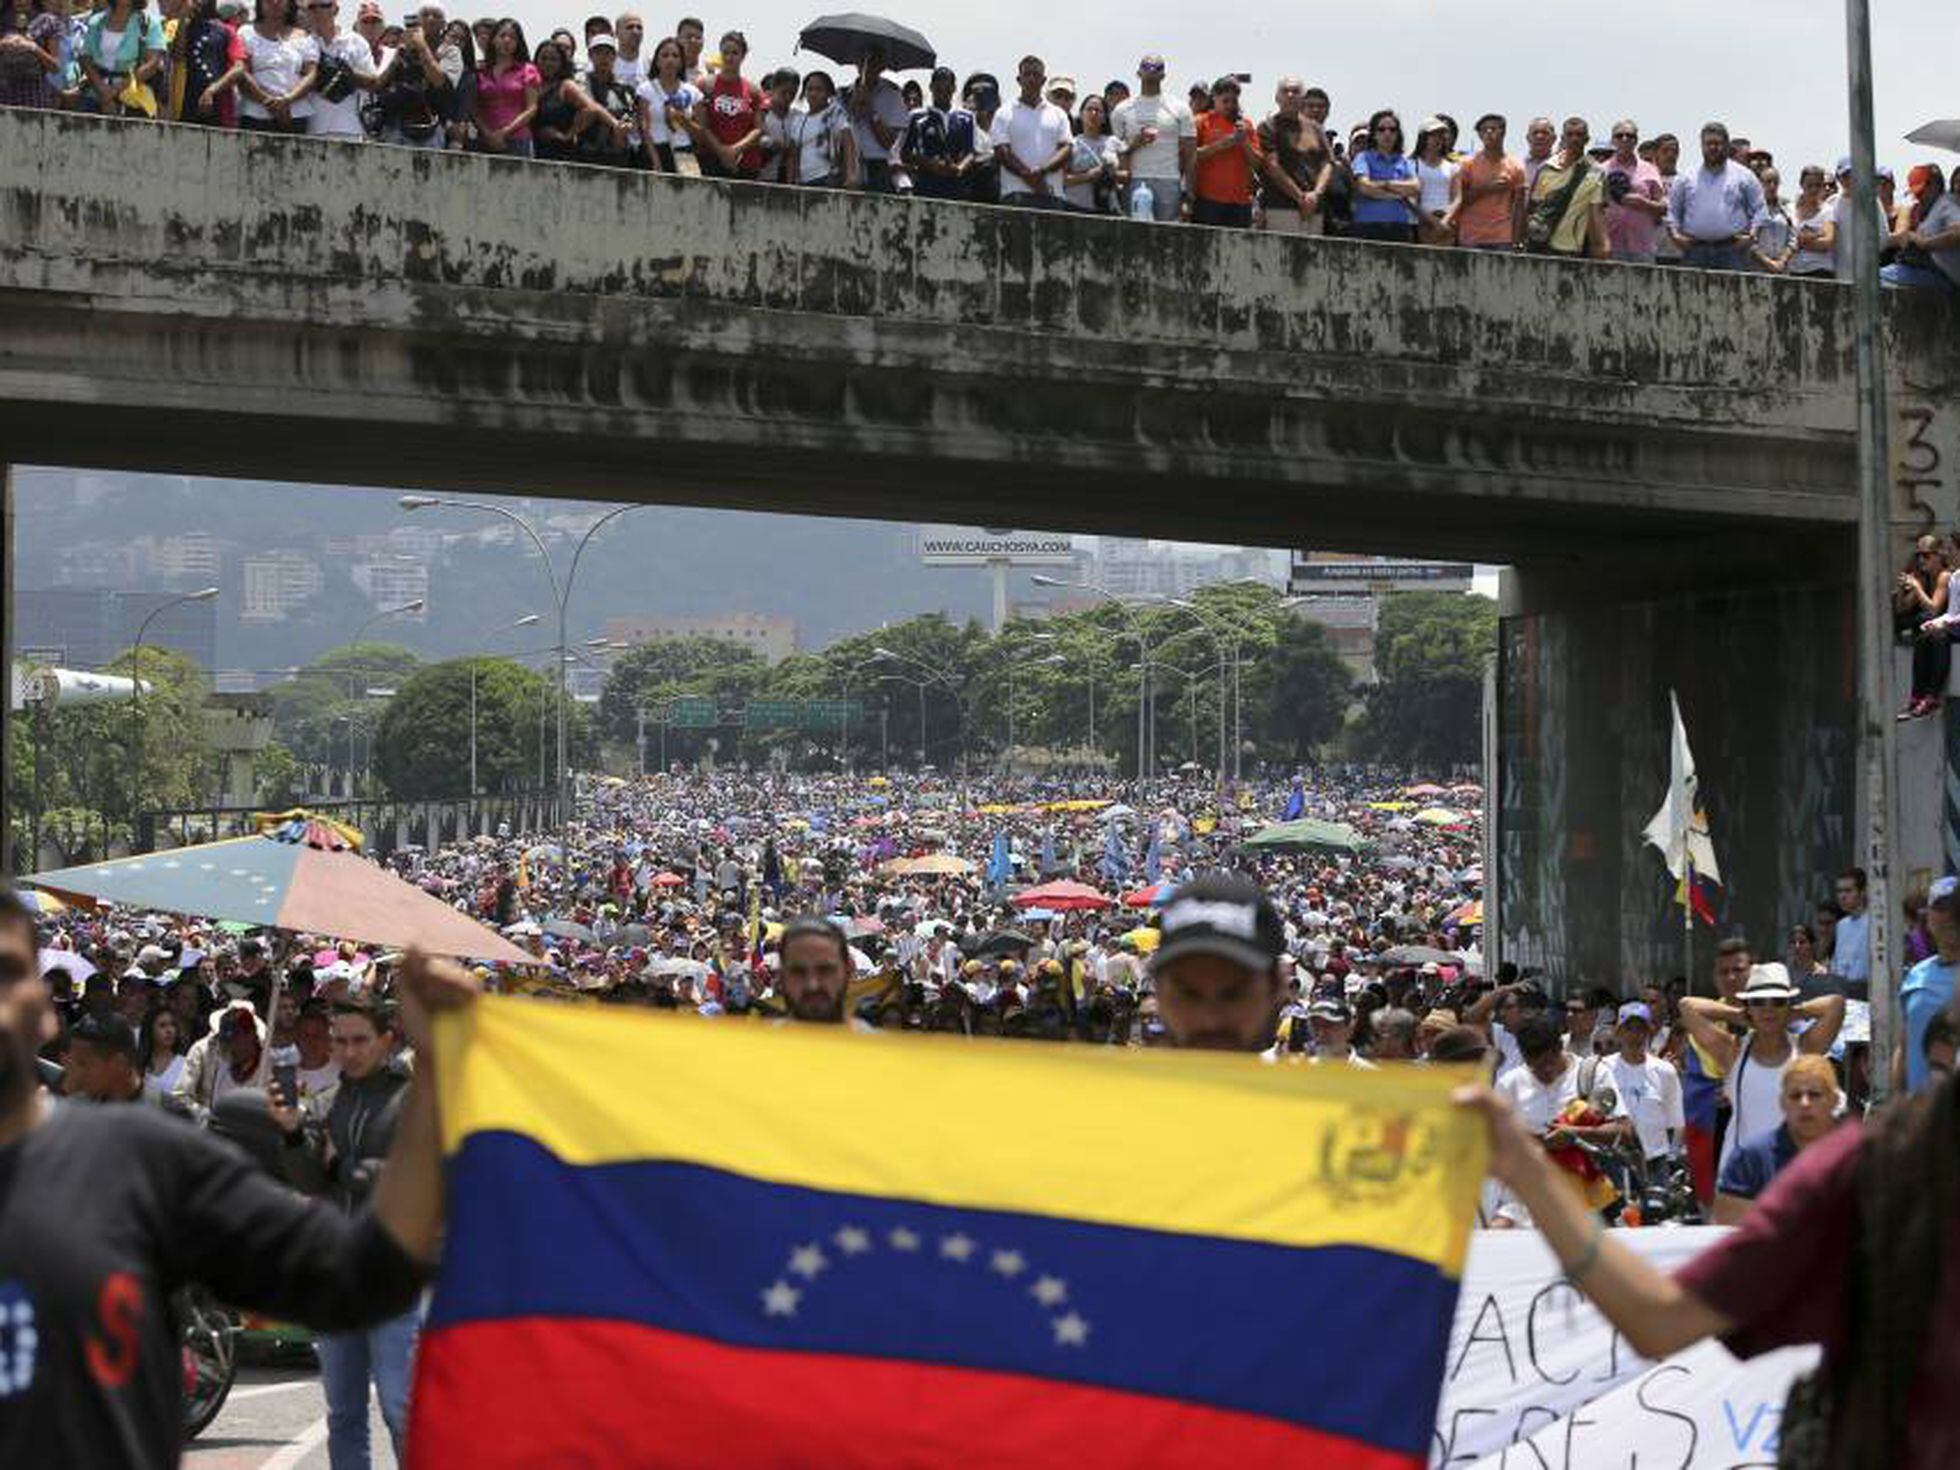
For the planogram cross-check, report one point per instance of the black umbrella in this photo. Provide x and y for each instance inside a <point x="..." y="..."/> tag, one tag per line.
<point x="846" y="38"/>
<point x="1418" y="954"/>
<point x="632" y="934"/>
<point x="1005" y="941"/>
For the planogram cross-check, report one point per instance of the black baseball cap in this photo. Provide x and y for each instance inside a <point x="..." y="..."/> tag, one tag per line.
<point x="1221" y="914"/>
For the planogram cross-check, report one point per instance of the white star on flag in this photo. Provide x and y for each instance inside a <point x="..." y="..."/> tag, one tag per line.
<point x="807" y="1260"/>
<point x="1009" y="1263"/>
<point x="956" y="1247"/>
<point x="1050" y="1291"/>
<point x="780" y="1300"/>
<point x="852" y="1240"/>
<point x="903" y="1239"/>
<point x="1071" y="1331"/>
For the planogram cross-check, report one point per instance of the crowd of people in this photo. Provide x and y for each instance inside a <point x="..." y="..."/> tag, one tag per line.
<point x="1046" y="909"/>
<point x="614" y="94"/>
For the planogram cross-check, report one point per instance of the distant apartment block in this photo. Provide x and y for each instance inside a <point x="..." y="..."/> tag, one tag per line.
<point x="393" y="581"/>
<point x="773" y="638"/>
<point x="190" y="556"/>
<point x="86" y="628"/>
<point x="277" y="584"/>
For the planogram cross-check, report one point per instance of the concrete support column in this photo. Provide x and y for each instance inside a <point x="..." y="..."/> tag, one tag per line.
<point x="11" y="862"/>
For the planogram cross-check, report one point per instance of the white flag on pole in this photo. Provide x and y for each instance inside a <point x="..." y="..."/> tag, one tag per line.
<point x="1680" y="827"/>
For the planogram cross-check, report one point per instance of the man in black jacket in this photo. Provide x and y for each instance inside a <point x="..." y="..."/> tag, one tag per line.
<point x="338" y="1156"/>
<point x="105" y="1211"/>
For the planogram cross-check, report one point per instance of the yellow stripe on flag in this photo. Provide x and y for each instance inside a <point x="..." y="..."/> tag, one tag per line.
<point x="1193" y="1143"/>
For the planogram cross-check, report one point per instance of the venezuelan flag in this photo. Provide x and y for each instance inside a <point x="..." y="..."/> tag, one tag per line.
<point x="681" y="1242"/>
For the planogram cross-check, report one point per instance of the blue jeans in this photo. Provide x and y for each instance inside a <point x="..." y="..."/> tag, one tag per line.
<point x="1917" y="277"/>
<point x="1708" y="255"/>
<point x="383" y="1353"/>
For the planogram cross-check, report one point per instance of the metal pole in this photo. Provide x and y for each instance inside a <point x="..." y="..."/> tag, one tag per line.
<point x="1877" y="737"/>
<point x="1143" y="696"/>
<point x="1238" y="716"/>
<point x="473" y="785"/>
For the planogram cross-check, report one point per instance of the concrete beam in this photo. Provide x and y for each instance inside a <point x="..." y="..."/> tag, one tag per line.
<point x="478" y="323"/>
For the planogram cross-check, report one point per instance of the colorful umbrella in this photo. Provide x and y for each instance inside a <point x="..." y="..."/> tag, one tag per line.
<point x="1143" y="898"/>
<point x="303" y="876"/>
<point x="669" y="880"/>
<point x="933" y="864"/>
<point x="1144" y="940"/>
<point x="1061" y="896"/>
<point x="1439" y="816"/>
<point x="1471" y="914"/>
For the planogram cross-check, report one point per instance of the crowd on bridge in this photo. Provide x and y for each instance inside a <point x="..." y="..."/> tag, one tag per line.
<point x="614" y="94"/>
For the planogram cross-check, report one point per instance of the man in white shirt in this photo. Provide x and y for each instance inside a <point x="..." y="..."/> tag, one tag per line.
<point x="1159" y="138"/>
<point x="1648" y="1089"/>
<point x="1033" y="140"/>
<point x="336" y="98"/>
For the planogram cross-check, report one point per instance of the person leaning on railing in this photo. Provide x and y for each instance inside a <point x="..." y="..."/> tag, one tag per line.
<point x="1846" y="1248"/>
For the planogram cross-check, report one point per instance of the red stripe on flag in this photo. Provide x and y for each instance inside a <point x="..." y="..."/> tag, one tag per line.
<point x="531" y="1391"/>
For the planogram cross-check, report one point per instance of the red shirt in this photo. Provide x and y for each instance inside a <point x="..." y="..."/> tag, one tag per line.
<point x="1226" y="177"/>
<point x="1783" y="1277"/>
<point x="735" y="111"/>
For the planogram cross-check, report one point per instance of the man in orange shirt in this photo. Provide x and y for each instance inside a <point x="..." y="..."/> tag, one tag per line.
<point x="1488" y="188"/>
<point x="1227" y="160"/>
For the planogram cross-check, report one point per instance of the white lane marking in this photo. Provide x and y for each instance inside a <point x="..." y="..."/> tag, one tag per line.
<point x="256" y="1390"/>
<point x="310" y="1439"/>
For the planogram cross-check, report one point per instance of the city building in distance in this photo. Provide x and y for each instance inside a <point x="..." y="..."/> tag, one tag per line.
<point x="775" y="639"/>
<point x="1343" y="594"/>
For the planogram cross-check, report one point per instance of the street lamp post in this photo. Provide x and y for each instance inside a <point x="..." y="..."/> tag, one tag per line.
<point x="933" y="676"/>
<point x="203" y="594"/>
<point x="561" y="596"/>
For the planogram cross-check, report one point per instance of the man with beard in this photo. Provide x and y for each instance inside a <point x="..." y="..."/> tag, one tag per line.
<point x="1216" y="972"/>
<point x="105" y="1211"/>
<point x="816" y="970"/>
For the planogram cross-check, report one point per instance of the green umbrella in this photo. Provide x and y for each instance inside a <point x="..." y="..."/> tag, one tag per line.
<point x="1308" y="833"/>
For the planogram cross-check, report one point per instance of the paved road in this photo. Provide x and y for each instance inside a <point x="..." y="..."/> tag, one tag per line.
<point x="276" y="1419"/>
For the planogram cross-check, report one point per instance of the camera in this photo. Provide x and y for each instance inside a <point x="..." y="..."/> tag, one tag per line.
<point x="334" y="78"/>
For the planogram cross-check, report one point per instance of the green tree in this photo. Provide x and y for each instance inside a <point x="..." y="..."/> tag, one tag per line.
<point x="650" y="673"/>
<point x="422" y="745"/>
<point x="1431" y="649"/>
<point x="277" y="776"/>
<point x="310" y="711"/>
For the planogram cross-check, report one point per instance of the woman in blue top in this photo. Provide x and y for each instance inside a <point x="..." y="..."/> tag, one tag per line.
<point x="124" y="42"/>
<point x="1385" y="185"/>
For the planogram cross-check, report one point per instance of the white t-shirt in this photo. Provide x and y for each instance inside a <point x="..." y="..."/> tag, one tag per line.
<point x="656" y="97"/>
<point x="814" y="137"/>
<point x="342" y="119"/>
<point x="1032" y="135"/>
<point x="1537" y="1104"/>
<point x="275" y="65"/>
<point x="888" y="106"/>
<point x="1089" y="153"/>
<point x="159" y="1084"/>
<point x="1841" y="217"/>
<point x="1435" y="180"/>
<point x="1157" y="159"/>
<point x="1650" y="1094"/>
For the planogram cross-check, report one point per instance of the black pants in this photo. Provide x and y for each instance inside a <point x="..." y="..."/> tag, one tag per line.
<point x="1366" y="230"/>
<point x="1221" y="215"/>
<point x="292" y="128"/>
<point x="1932" y="659"/>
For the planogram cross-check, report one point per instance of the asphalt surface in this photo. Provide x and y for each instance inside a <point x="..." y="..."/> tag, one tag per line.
<point x="276" y="1419"/>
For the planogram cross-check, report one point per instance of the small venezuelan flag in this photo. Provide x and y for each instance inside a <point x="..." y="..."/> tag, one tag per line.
<point x="681" y="1242"/>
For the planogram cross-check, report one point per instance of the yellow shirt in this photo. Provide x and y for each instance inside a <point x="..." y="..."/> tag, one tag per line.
<point x="1569" y="236"/>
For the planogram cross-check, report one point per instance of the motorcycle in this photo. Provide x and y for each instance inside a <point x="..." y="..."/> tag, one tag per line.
<point x="207" y="1337"/>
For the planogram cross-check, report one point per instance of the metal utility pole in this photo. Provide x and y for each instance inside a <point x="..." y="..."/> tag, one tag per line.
<point x="203" y="594"/>
<point x="1878" y="745"/>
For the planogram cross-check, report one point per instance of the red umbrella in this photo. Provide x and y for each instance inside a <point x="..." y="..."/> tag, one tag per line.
<point x="1062" y="895"/>
<point x="669" y="880"/>
<point x="1143" y="898"/>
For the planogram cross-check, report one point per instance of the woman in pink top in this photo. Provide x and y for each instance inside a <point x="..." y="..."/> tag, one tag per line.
<point x="507" y="92"/>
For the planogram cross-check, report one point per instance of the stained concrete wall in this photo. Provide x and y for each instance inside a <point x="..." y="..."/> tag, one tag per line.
<point x="577" y="331"/>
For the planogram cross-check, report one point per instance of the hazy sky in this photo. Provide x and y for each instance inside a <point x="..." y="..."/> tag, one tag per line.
<point x="1773" y="71"/>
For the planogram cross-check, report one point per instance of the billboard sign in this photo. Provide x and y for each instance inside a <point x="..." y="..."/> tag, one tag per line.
<point x="971" y="546"/>
<point x="1319" y="572"/>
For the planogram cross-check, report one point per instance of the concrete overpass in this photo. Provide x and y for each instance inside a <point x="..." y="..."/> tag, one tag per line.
<point x="1667" y="457"/>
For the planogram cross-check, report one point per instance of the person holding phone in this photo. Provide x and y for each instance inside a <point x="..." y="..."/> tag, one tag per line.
<point x="337" y="1155"/>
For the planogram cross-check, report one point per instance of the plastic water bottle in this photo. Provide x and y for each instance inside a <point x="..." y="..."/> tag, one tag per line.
<point x="1143" y="202"/>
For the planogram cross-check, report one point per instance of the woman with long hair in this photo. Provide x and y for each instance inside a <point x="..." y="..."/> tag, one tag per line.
<point x="460" y="124"/>
<point x="560" y="100"/>
<point x="30" y="53"/>
<point x="1920" y="604"/>
<point x="1816" y="231"/>
<point x="122" y="50"/>
<point x="1089" y="179"/>
<point x="160" y="1051"/>
<point x="507" y="90"/>
<point x="277" y="72"/>
<point x="1436" y="173"/>
<point x="730" y="115"/>
<point x="667" y="103"/>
